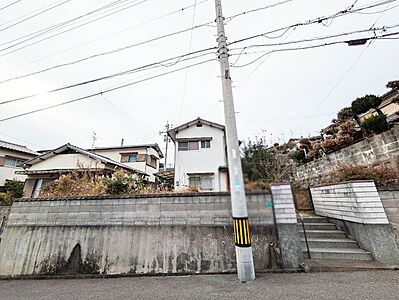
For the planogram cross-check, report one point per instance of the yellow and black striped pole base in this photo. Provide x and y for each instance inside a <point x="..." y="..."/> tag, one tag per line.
<point x="242" y="236"/>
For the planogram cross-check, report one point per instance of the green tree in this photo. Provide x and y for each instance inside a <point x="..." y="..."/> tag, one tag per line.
<point x="375" y="124"/>
<point x="263" y="164"/>
<point x="363" y="104"/>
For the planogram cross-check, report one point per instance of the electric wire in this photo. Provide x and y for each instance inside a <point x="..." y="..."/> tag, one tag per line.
<point x="373" y="30"/>
<point x="104" y="91"/>
<point x="109" y="52"/>
<point x="60" y="26"/>
<point x="346" y="71"/>
<point x="10" y="4"/>
<point x="32" y="16"/>
<point x="372" y="38"/>
<point x="163" y="63"/>
<point x="189" y="50"/>
<point x="313" y="21"/>
<point x="104" y="37"/>
<point x="266" y="34"/>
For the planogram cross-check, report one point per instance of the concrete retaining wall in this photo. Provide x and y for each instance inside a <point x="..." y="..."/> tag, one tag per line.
<point x="356" y="208"/>
<point x="390" y="201"/>
<point x="379" y="149"/>
<point x="154" y="234"/>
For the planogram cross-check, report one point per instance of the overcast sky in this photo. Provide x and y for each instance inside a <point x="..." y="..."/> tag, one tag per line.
<point x="281" y="97"/>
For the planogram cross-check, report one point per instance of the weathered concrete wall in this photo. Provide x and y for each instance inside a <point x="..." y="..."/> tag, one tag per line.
<point x="379" y="149"/>
<point x="169" y="234"/>
<point x="378" y="239"/>
<point x="286" y="223"/>
<point x="390" y="201"/>
<point x="4" y="212"/>
<point x="356" y="201"/>
<point x="356" y="208"/>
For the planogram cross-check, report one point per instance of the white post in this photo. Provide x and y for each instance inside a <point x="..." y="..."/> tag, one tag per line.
<point x="242" y="237"/>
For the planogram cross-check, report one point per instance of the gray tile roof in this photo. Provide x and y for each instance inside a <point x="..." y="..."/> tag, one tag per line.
<point x="16" y="147"/>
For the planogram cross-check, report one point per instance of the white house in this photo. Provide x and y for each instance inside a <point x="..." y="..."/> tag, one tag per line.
<point x="63" y="160"/>
<point x="200" y="156"/>
<point x="144" y="158"/>
<point x="11" y="155"/>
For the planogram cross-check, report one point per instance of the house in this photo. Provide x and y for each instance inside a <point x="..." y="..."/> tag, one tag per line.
<point x="49" y="166"/>
<point x="11" y="155"/>
<point x="200" y="156"/>
<point x="389" y="105"/>
<point x="144" y="158"/>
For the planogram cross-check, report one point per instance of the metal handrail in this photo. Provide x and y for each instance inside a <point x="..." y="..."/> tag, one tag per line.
<point x="304" y="232"/>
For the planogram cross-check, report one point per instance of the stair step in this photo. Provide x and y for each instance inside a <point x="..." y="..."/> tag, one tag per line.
<point x="334" y="234"/>
<point x="313" y="219"/>
<point x="329" y="243"/>
<point x="318" y="226"/>
<point x="348" y="254"/>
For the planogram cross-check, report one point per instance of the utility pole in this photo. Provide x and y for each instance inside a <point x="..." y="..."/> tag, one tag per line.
<point x="94" y="139"/>
<point x="242" y="237"/>
<point x="166" y="140"/>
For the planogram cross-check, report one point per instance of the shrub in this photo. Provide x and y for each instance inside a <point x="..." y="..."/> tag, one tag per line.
<point x="298" y="155"/>
<point x="83" y="183"/>
<point x="121" y="184"/>
<point x="15" y="188"/>
<point x="5" y="198"/>
<point x="345" y="114"/>
<point x="363" y="104"/>
<point x="382" y="176"/>
<point x="375" y="124"/>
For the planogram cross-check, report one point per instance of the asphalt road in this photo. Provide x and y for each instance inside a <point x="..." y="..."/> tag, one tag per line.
<point x="356" y="285"/>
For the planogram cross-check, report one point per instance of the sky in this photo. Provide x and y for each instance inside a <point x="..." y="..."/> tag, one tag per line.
<point x="278" y="96"/>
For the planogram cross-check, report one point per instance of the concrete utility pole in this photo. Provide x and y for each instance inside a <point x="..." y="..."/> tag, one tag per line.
<point x="166" y="140"/>
<point x="242" y="237"/>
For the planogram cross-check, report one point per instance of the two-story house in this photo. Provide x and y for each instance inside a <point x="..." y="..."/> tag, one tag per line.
<point x="12" y="155"/>
<point x="144" y="158"/>
<point x="200" y="156"/>
<point x="68" y="158"/>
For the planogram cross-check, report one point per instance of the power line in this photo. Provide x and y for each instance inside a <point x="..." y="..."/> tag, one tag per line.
<point x="373" y="38"/>
<point x="313" y="21"/>
<point x="59" y="26"/>
<point x="10" y="4"/>
<point x="103" y="92"/>
<point x="373" y="30"/>
<point x="189" y="50"/>
<point x="286" y="28"/>
<point x="110" y="51"/>
<point x="228" y="19"/>
<point x="162" y="63"/>
<point x="53" y="27"/>
<point x="31" y="17"/>
<point x="109" y="35"/>
<point x="344" y="74"/>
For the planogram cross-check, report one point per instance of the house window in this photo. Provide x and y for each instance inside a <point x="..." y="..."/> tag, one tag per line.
<point x="132" y="157"/>
<point x="193" y="145"/>
<point x="205" y="144"/>
<point x="37" y="188"/>
<point x="204" y="182"/>
<point x="12" y="162"/>
<point x="188" y="146"/>
<point x="183" y="146"/>
<point x="152" y="161"/>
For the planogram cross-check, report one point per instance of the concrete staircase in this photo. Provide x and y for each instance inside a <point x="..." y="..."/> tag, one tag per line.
<point x="326" y="242"/>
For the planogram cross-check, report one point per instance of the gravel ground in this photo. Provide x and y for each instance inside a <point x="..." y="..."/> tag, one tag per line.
<point x="354" y="285"/>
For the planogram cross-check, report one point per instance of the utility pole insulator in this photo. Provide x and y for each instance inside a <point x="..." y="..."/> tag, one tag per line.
<point x="242" y="236"/>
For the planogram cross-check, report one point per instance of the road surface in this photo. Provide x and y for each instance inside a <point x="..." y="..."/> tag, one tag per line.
<point x="354" y="285"/>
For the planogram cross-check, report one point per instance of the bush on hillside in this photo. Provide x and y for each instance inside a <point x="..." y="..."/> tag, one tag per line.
<point x="382" y="176"/>
<point x="375" y="124"/>
<point x="363" y="104"/>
